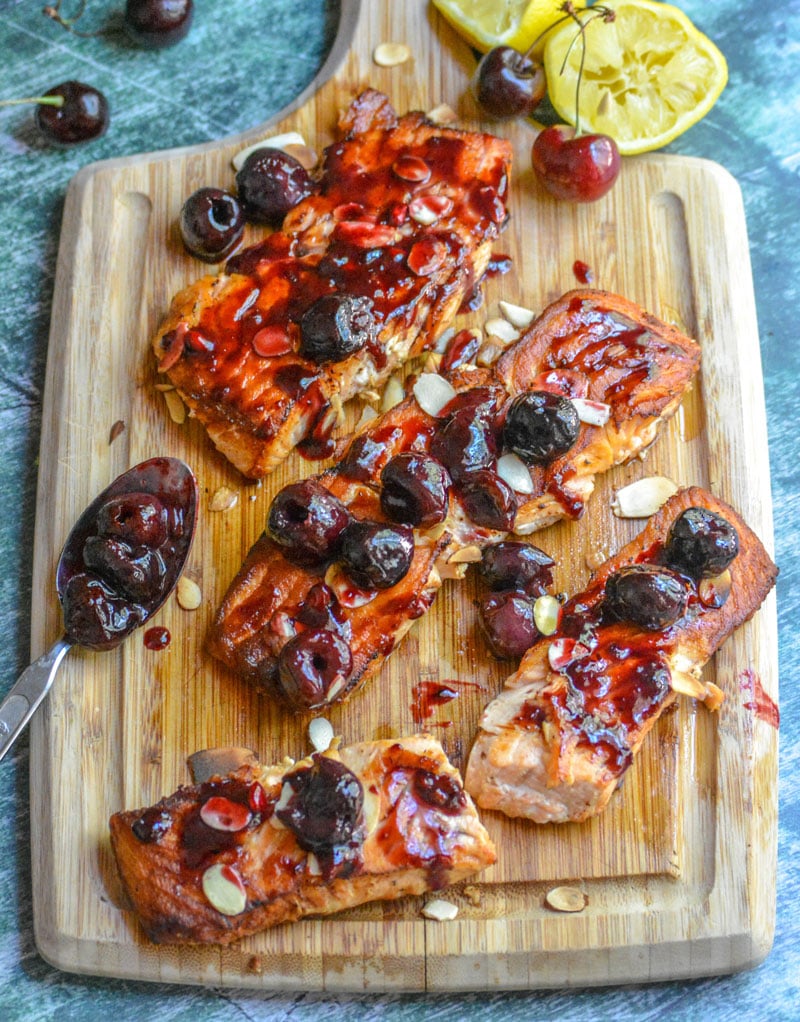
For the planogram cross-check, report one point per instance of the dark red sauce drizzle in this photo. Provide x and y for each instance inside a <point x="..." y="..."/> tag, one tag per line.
<point x="583" y="272"/>
<point x="760" y="702"/>
<point x="157" y="638"/>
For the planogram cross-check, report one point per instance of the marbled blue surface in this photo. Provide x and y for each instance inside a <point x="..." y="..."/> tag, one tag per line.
<point x="242" y="61"/>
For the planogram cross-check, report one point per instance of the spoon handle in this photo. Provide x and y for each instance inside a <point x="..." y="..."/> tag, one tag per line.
<point x="30" y="689"/>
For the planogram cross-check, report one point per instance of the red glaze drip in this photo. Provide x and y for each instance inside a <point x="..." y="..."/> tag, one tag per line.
<point x="157" y="637"/>
<point x="427" y="695"/>
<point x="498" y="265"/>
<point x="463" y="347"/>
<point x="760" y="702"/>
<point x="583" y="272"/>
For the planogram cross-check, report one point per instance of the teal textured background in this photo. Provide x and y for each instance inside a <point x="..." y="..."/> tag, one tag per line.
<point x="243" y="61"/>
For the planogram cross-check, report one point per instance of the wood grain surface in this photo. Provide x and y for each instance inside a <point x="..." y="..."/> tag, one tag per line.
<point x="679" y="871"/>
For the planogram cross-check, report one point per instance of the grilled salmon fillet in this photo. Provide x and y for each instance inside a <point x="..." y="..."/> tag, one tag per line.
<point x="555" y="742"/>
<point x="403" y="218"/>
<point x="264" y="845"/>
<point x="589" y="344"/>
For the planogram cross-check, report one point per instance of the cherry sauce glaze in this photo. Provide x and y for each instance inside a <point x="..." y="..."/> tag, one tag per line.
<point x="321" y="802"/>
<point x="125" y="553"/>
<point x="615" y="664"/>
<point x="413" y="465"/>
<point x="284" y="303"/>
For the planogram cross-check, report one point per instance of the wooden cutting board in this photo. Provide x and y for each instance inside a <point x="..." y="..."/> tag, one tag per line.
<point x="680" y="870"/>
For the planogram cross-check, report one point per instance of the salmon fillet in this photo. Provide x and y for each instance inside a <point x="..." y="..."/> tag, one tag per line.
<point x="587" y="343"/>
<point x="404" y="216"/>
<point x="264" y="845"/>
<point x="555" y="742"/>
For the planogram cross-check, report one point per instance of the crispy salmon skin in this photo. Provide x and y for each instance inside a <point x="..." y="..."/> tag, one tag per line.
<point x="588" y="345"/>
<point x="264" y="845"/>
<point x="555" y="742"/>
<point x="402" y="220"/>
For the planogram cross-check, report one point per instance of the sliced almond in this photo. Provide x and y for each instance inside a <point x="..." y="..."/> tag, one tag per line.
<point x="466" y="555"/>
<point x="175" y="406"/>
<point x="643" y="498"/>
<point x="393" y="393"/>
<point x="224" y="889"/>
<point x="287" y="138"/>
<point x="442" y="114"/>
<point x="516" y="315"/>
<point x="713" y="592"/>
<point x="432" y="362"/>
<point x="513" y="470"/>
<point x="164" y="387"/>
<point x="687" y="685"/>
<point x="313" y="865"/>
<point x="223" y="499"/>
<point x="489" y="353"/>
<point x="444" y="339"/>
<point x="433" y="392"/>
<point x="593" y="413"/>
<point x="714" y="697"/>
<point x="502" y="329"/>
<point x="367" y="415"/>
<point x="440" y="910"/>
<point x="566" y="899"/>
<point x="391" y="54"/>
<point x="546" y="614"/>
<point x="188" y="593"/>
<point x="320" y="733"/>
<point x="307" y="157"/>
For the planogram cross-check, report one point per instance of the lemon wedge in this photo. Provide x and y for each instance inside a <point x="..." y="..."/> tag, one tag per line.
<point x="648" y="76"/>
<point x="489" y="23"/>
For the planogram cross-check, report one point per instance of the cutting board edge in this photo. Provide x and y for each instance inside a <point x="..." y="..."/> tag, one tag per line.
<point x="468" y="970"/>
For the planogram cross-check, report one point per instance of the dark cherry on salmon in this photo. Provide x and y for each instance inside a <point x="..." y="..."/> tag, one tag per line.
<point x="314" y="667"/>
<point x="270" y="183"/>
<point x="488" y="500"/>
<point x="414" y="490"/>
<point x="515" y="565"/>
<point x="540" y="426"/>
<point x="306" y="521"/>
<point x="646" y="595"/>
<point x="335" y="326"/>
<point x="376" y="555"/>
<point x="700" y="544"/>
<point x="467" y="442"/>
<point x="507" y="622"/>
<point x="324" y="810"/>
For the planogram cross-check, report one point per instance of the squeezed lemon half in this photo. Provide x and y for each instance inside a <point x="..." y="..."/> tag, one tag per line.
<point x="648" y="75"/>
<point x="488" y="23"/>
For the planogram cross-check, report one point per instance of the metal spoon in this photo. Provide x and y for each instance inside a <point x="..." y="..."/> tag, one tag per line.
<point x="173" y="483"/>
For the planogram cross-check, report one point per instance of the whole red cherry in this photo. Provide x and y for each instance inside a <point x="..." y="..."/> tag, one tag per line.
<point x="578" y="168"/>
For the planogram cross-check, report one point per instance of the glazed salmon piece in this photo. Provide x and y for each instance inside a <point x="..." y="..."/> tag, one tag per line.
<point x="403" y="218"/>
<point x="556" y="741"/>
<point x="594" y="339"/>
<point x="259" y="846"/>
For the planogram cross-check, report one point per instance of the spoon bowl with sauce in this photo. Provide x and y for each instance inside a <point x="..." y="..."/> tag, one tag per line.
<point x="119" y="564"/>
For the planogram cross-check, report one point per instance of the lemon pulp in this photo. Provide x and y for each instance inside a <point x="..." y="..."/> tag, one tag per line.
<point x="648" y="75"/>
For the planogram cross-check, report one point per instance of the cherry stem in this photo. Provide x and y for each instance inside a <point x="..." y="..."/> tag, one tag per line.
<point x="607" y="15"/>
<point x="54" y="12"/>
<point x="42" y="100"/>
